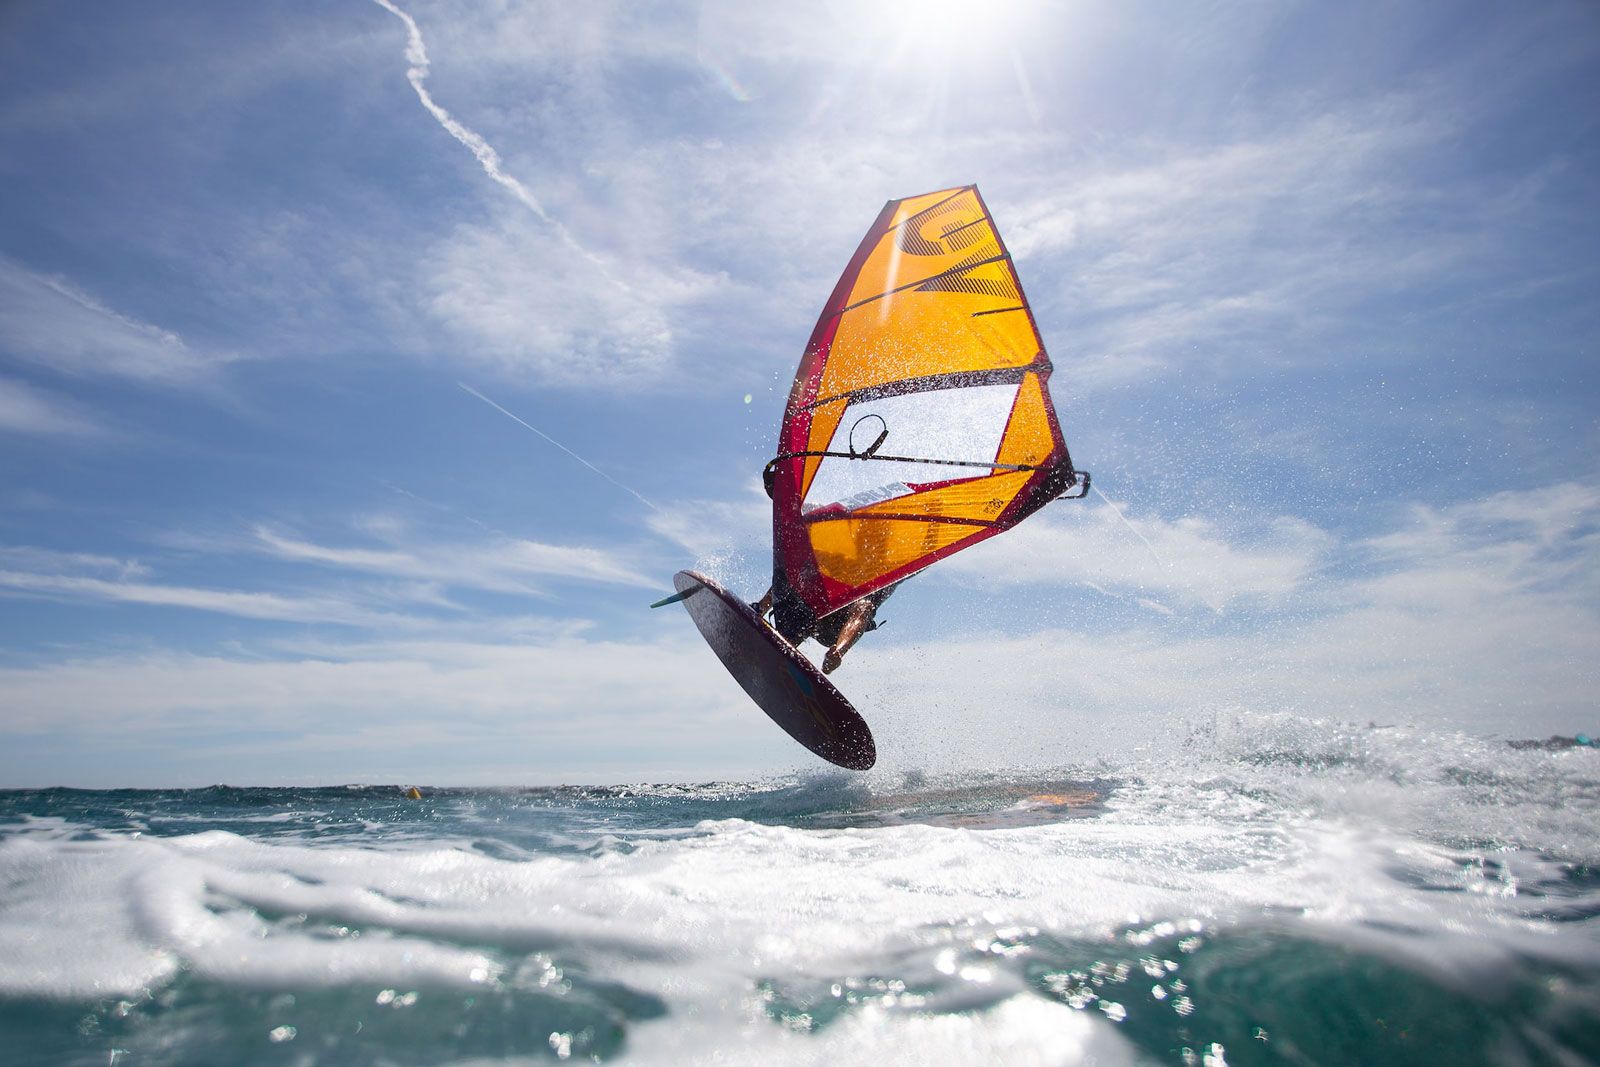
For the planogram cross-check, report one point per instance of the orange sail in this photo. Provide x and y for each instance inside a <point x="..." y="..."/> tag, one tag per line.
<point x="920" y="422"/>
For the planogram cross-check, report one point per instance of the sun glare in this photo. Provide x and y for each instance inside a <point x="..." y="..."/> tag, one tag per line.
<point x="947" y="30"/>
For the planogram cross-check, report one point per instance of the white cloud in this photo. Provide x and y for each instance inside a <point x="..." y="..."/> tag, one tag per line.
<point x="559" y="312"/>
<point x="26" y="410"/>
<point x="525" y="312"/>
<point x="397" y="679"/>
<point x="248" y="605"/>
<point x="546" y="709"/>
<point x="410" y="575"/>
<point x="47" y="320"/>
<point x="498" y="564"/>
<point x="647" y="238"/>
<point x="1264" y="238"/>
<point x="1147" y="253"/>
<point x="1397" y="634"/>
<point x="356" y="558"/>
<point x="482" y="150"/>
<point x="1484" y="616"/>
<point x="1539" y="543"/>
<point x="614" y="231"/>
<point x="44" y="559"/>
<point x="28" y="571"/>
<point x="717" y="528"/>
<point x="394" y="579"/>
<point x="1184" y="563"/>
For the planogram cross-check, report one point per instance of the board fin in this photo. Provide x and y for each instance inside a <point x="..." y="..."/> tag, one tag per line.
<point x="675" y="597"/>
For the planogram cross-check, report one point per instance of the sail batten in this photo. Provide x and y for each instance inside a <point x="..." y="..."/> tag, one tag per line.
<point x="953" y="379"/>
<point x="900" y="380"/>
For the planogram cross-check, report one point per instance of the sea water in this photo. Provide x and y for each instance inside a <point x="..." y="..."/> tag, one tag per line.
<point x="1267" y="891"/>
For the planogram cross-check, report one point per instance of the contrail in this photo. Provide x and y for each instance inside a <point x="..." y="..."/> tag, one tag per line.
<point x="417" y="56"/>
<point x="1118" y="512"/>
<point x="637" y="496"/>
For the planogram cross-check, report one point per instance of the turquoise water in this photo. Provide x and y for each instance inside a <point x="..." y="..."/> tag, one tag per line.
<point x="1270" y="892"/>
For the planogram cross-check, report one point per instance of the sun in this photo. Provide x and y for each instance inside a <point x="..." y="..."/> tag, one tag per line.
<point x="946" y="30"/>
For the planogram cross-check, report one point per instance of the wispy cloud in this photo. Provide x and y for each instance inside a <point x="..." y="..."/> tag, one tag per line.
<point x="497" y="564"/>
<point x="29" y="571"/>
<point x="522" y="313"/>
<point x="1261" y="240"/>
<point x="49" y="321"/>
<point x="716" y="527"/>
<point x="482" y="150"/>
<point x="580" y="319"/>
<point x="455" y="711"/>
<point x="26" y="410"/>
<point x="1268" y="234"/>
<point x="401" y="582"/>
<point x="1179" y="564"/>
<point x="1517" y="653"/>
<point x="1450" y="560"/>
<point x="31" y="558"/>
<point x="248" y="605"/>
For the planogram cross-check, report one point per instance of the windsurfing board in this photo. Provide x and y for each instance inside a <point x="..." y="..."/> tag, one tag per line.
<point x="782" y="682"/>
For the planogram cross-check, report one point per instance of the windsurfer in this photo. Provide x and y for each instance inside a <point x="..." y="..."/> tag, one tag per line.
<point x="839" y="630"/>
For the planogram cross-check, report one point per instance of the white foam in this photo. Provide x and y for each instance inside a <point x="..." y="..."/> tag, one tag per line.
<point x="1347" y="850"/>
<point x="736" y="901"/>
<point x="1020" y="1032"/>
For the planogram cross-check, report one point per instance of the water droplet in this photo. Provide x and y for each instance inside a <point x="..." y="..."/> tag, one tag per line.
<point x="280" y="1034"/>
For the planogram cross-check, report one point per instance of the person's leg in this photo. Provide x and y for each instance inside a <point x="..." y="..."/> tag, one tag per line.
<point x="854" y="626"/>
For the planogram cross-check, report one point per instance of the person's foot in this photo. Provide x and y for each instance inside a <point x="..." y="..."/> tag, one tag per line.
<point x="831" y="661"/>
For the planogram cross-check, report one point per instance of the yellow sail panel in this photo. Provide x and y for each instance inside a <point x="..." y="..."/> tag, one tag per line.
<point x="923" y="333"/>
<point x="855" y="552"/>
<point x="1029" y="437"/>
<point x="949" y="231"/>
<point x="976" y="499"/>
<point x="912" y="206"/>
<point x="935" y="294"/>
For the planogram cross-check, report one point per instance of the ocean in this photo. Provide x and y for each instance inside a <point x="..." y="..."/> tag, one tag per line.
<point x="1266" y="891"/>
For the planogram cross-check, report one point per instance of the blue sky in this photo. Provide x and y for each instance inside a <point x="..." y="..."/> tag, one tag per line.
<point x="1318" y="281"/>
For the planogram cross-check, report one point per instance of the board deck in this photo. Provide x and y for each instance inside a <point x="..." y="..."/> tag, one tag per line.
<point x="783" y="683"/>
